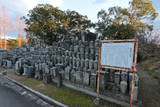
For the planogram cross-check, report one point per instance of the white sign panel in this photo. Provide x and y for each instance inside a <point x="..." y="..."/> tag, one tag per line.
<point x="117" y="54"/>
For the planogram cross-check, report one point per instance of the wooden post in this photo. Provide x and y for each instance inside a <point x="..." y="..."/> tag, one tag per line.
<point x="98" y="82"/>
<point x="132" y="88"/>
<point x="134" y="70"/>
<point x="99" y="70"/>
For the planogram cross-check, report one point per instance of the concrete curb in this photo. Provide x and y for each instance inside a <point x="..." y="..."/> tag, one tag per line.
<point x="38" y="94"/>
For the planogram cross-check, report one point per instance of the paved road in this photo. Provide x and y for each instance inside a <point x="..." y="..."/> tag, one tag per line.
<point x="9" y="98"/>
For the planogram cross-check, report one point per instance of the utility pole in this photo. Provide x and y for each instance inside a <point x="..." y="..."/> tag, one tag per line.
<point x="20" y="28"/>
<point x="1" y="27"/>
<point x="0" y="34"/>
<point x="4" y="24"/>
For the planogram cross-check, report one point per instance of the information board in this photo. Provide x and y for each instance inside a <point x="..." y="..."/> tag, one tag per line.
<point x="117" y="54"/>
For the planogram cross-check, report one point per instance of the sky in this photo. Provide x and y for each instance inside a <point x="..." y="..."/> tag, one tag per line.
<point x="84" y="7"/>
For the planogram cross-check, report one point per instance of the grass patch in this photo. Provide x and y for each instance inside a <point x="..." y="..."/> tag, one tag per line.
<point x="152" y="67"/>
<point x="150" y="82"/>
<point x="2" y="68"/>
<point x="65" y="95"/>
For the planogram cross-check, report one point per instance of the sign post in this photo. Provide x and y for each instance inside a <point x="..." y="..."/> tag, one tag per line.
<point x="118" y="55"/>
<point x="99" y="70"/>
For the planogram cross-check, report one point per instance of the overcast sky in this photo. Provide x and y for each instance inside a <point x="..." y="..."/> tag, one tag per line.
<point x="85" y="7"/>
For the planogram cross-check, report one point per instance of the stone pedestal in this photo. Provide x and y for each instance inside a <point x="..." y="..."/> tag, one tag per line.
<point x="86" y="77"/>
<point x="74" y="62"/>
<point x="73" y="76"/>
<point x="102" y="82"/>
<point x="59" y="80"/>
<point x="46" y="78"/>
<point x="117" y="78"/>
<point x="96" y="65"/>
<point x="93" y="81"/>
<point x="86" y="64"/>
<point x="91" y="64"/>
<point x="123" y="87"/>
<point x="78" y="63"/>
<point x="67" y="73"/>
<point x="9" y="64"/>
<point x="70" y="61"/>
<point x="79" y="77"/>
<point x="82" y="63"/>
<point x="28" y="71"/>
